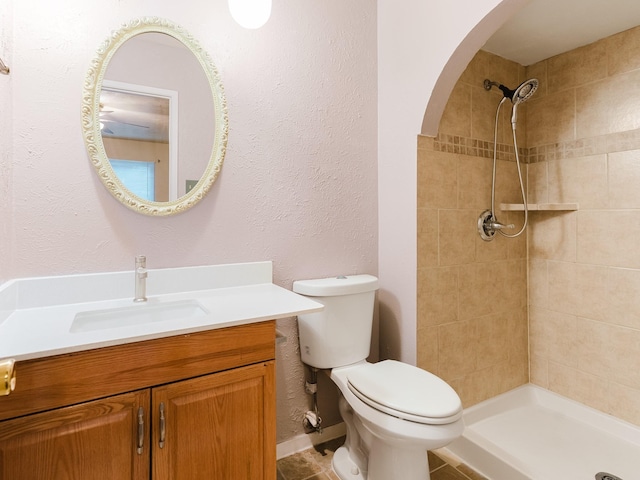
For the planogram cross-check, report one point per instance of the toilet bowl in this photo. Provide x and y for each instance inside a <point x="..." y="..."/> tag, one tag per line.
<point x="393" y="412"/>
<point x="389" y="419"/>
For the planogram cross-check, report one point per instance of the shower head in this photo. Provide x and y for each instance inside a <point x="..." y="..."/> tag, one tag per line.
<point x="520" y="94"/>
<point x="525" y="91"/>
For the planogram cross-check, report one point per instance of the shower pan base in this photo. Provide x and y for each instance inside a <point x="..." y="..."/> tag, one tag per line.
<point x="533" y="434"/>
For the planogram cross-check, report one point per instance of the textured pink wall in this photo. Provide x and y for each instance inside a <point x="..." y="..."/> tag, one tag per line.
<point x="6" y="219"/>
<point x="299" y="183"/>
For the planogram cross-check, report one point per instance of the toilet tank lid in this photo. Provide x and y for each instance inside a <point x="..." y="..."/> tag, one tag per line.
<point x="335" y="286"/>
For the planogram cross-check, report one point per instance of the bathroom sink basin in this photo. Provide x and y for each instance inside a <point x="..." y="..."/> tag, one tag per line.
<point x="139" y="314"/>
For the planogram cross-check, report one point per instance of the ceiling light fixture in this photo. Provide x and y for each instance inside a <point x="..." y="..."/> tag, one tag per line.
<point x="250" y="13"/>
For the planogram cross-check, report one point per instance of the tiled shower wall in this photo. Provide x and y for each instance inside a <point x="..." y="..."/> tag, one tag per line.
<point x="584" y="266"/>
<point x="581" y="135"/>
<point x="472" y="309"/>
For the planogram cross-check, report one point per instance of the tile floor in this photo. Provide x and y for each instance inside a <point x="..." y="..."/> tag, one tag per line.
<point x="315" y="464"/>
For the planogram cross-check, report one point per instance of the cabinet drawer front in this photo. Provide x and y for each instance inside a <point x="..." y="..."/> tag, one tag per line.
<point x="96" y="440"/>
<point x="47" y="383"/>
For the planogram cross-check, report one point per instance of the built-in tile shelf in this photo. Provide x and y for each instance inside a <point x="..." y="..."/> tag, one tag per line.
<point x="539" y="207"/>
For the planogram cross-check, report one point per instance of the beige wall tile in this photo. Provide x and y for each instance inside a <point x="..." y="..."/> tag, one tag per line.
<point x="492" y="340"/>
<point x="508" y="285"/>
<point x="476" y="293"/>
<point x="552" y="235"/>
<point x="539" y="332"/>
<point x="514" y="375"/>
<point x="457" y="236"/>
<point x="508" y="182"/>
<point x="577" y="289"/>
<point x="610" y="239"/>
<point x="485" y="104"/>
<point x="562" y="331"/>
<point x="425" y="143"/>
<point x="602" y="109"/>
<point x="624" y="357"/>
<point x="427" y="346"/>
<point x="593" y="106"/>
<point x="623" y="52"/>
<point x="437" y="180"/>
<point x="577" y="67"/>
<point x="624" y="179"/>
<point x="594" y="347"/>
<point x="539" y="371"/>
<point x="623" y="402"/>
<point x="437" y="296"/>
<point x="538" y="283"/>
<point x="518" y="334"/>
<point x="489" y="382"/>
<point x="539" y="71"/>
<point x="582" y="180"/>
<point x="551" y="119"/>
<point x="623" y="306"/>
<point x="457" y="349"/>
<point x="503" y="377"/>
<point x="427" y="237"/>
<point x="471" y="388"/>
<point x="492" y="67"/>
<point x="456" y="118"/>
<point x="579" y="386"/>
<point x="537" y="183"/>
<point x="474" y="182"/>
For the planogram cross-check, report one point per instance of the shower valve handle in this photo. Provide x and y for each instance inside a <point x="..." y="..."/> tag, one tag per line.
<point x="499" y="226"/>
<point x="488" y="226"/>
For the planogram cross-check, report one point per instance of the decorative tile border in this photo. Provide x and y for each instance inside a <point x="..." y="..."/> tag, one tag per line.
<point x="474" y="147"/>
<point x="613" y="142"/>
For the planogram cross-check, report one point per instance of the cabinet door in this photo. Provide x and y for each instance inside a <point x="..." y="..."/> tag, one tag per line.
<point x="95" y="440"/>
<point x="216" y="427"/>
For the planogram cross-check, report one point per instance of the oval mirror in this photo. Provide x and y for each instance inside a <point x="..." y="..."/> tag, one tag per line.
<point x="154" y="117"/>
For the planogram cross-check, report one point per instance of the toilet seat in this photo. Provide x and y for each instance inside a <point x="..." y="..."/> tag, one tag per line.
<point x="406" y="392"/>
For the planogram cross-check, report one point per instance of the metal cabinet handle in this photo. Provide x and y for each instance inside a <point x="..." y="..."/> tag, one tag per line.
<point x="163" y="426"/>
<point x="140" y="430"/>
<point x="7" y="376"/>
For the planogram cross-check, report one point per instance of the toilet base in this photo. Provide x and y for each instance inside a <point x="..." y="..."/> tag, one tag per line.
<point x="383" y="466"/>
<point x="344" y="467"/>
<point x="387" y="461"/>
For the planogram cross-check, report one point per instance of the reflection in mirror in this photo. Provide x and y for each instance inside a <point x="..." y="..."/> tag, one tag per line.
<point x="154" y="117"/>
<point x="140" y="145"/>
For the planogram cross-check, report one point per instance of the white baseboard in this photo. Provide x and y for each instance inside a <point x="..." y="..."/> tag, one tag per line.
<point x="308" y="440"/>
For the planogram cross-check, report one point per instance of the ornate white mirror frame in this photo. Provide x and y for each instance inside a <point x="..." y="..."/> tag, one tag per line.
<point x="91" y="118"/>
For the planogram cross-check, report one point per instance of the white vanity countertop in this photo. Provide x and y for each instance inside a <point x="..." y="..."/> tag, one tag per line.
<point x="28" y="331"/>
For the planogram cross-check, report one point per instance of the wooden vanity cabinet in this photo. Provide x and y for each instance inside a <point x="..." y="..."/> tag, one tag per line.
<point x="203" y="408"/>
<point x="215" y="427"/>
<point x="91" y="440"/>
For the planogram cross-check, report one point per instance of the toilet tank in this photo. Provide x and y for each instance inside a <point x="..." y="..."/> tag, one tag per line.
<point x="340" y="334"/>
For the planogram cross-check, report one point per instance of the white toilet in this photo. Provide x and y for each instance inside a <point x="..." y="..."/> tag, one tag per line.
<point x="394" y="412"/>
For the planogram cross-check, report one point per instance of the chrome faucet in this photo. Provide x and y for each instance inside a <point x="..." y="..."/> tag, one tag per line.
<point x="141" y="279"/>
